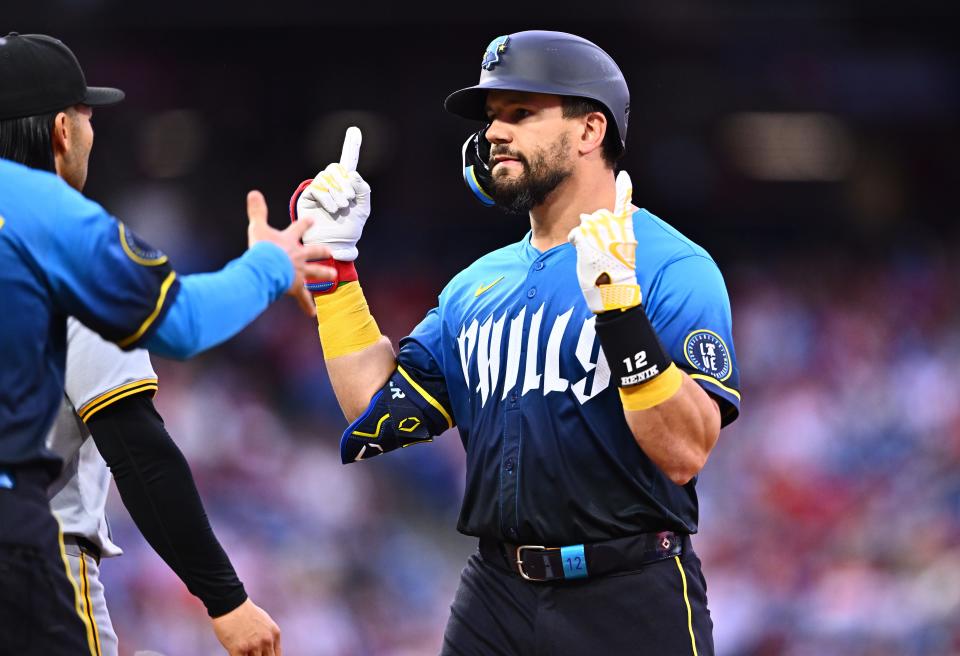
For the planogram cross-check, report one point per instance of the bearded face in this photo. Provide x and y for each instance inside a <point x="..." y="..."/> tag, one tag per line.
<point x="542" y="172"/>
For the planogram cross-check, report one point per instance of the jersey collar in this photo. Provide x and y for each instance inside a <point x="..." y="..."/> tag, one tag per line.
<point x="529" y="254"/>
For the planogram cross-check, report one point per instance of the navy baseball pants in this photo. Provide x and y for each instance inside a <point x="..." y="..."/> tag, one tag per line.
<point x="39" y="612"/>
<point x="658" y="609"/>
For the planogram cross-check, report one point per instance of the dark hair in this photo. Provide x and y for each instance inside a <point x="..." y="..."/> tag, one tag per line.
<point x="575" y="107"/>
<point x="29" y="141"/>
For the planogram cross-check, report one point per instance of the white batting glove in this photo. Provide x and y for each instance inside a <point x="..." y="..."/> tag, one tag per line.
<point x="607" y="252"/>
<point x="338" y="201"/>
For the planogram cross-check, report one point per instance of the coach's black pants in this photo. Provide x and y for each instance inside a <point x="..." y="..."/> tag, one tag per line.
<point x="38" y="605"/>
<point x="654" y="610"/>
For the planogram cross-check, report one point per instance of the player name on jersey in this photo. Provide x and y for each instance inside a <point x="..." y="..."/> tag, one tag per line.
<point x="553" y="374"/>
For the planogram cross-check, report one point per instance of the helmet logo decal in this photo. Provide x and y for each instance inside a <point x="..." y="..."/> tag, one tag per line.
<point x="492" y="55"/>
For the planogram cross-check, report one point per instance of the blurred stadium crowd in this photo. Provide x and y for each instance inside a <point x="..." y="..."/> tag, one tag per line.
<point x="809" y="146"/>
<point x="830" y="519"/>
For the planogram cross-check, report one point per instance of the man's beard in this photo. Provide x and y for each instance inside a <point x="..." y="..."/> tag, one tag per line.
<point x="540" y="176"/>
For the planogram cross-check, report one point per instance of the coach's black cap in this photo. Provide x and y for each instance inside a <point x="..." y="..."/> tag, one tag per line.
<point x="39" y="74"/>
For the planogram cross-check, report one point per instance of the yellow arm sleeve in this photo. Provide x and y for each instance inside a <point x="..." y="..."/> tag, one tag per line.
<point x="344" y="321"/>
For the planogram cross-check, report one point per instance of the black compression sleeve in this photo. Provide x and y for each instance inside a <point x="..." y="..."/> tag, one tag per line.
<point x="158" y="490"/>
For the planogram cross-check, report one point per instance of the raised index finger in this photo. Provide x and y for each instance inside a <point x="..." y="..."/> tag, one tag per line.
<point x="624" y="197"/>
<point x="256" y="207"/>
<point x="350" y="154"/>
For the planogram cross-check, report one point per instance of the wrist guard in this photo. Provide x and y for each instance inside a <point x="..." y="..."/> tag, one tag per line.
<point x="631" y="345"/>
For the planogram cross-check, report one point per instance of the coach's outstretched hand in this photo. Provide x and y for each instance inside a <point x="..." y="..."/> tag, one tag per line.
<point x="247" y="630"/>
<point x="301" y="255"/>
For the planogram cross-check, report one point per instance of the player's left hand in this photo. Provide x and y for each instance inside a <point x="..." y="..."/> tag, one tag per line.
<point x="606" y="253"/>
<point x="247" y="630"/>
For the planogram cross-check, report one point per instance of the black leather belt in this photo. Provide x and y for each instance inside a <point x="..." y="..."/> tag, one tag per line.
<point x="84" y="545"/>
<point x="540" y="563"/>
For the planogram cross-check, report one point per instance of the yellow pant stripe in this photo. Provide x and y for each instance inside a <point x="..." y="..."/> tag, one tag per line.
<point x="686" y="600"/>
<point x="88" y="602"/>
<point x="77" y="602"/>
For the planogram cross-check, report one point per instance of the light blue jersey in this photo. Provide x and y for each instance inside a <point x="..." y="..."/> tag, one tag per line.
<point x="511" y="351"/>
<point x="62" y="255"/>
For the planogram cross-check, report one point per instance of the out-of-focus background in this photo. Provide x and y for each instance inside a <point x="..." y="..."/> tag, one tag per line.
<point x="809" y="146"/>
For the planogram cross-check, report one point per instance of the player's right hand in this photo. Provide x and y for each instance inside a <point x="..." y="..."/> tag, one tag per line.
<point x="302" y="256"/>
<point x="338" y="201"/>
<point x="248" y="630"/>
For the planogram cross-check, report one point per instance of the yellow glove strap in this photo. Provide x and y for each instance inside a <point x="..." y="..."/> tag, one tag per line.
<point x="619" y="297"/>
<point x="658" y="390"/>
<point x="344" y="321"/>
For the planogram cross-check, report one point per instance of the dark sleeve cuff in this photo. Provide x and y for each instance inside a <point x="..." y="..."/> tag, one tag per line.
<point x="727" y="398"/>
<point x="222" y="606"/>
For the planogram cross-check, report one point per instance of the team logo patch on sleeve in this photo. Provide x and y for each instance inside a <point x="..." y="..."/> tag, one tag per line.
<point x="706" y="352"/>
<point x="138" y="250"/>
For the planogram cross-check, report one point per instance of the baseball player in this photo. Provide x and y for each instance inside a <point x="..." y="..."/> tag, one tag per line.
<point x="108" y="394"/>
<point x="64" y="255"/>
<point x="589" y="368"/>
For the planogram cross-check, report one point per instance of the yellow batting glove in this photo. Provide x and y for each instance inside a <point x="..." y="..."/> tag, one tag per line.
<point x="607" y="254"/>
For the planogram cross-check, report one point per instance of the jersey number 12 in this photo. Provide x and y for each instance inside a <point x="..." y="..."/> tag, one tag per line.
<point x="637" y="362"/>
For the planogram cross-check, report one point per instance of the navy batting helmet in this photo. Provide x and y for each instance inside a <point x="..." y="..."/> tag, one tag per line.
<point x="547" y="62"/>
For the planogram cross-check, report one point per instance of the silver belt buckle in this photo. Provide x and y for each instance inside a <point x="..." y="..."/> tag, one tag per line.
<point x="519" y="559"/>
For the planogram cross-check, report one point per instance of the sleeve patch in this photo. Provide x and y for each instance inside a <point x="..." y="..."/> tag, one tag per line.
<point x="138" y="250"/>
<point x="706" y="352"/>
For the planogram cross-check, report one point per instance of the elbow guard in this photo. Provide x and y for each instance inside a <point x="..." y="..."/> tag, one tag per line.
<point x="401" y="414"/>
